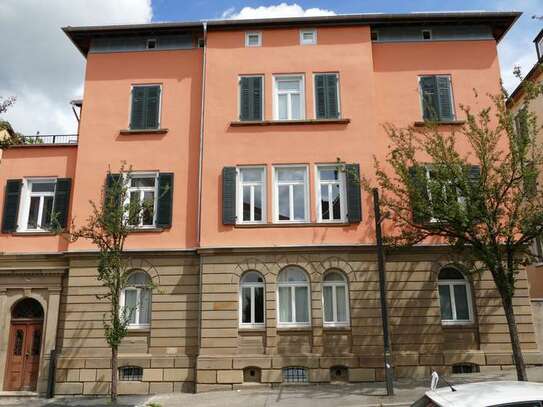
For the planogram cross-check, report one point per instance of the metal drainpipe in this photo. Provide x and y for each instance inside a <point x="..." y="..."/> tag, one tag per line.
<point x="199" y="211"/>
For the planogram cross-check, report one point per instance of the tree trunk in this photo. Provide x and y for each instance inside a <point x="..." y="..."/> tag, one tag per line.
<point x="114" y="374"/>
<point x="518" y="359"/>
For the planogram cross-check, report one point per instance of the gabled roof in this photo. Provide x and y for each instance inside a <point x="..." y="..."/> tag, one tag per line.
<point x="500" y="23"/>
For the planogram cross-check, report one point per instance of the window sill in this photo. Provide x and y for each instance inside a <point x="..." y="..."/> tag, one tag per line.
<point x="247" y="329"/>
<point x="34" y="233"/>
<point x="145" y="230"/>
<point x="143" y="131"/>
<point x="457" y="324"/>
<point x="139" y="328"/>
<point x="289" y="122"/>
<point x="289" y="225"/>
<point x="337" y="328"/>
<point x="440" y="123"/>
<point x="289" y="329"/>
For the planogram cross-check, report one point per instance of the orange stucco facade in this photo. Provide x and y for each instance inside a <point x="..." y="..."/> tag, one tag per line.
<point x="195" y="336"/>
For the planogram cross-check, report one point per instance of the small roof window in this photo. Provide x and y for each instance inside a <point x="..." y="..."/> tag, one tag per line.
<point x="426" y="35"/>
<point x="253" y="39"/>
<point x="308" y="36"/>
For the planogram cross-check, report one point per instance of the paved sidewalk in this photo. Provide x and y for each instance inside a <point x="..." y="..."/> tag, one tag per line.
<point x="364" y="394"/>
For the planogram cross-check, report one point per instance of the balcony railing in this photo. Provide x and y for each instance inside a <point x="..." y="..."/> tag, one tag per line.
<point x="51" y="139"/>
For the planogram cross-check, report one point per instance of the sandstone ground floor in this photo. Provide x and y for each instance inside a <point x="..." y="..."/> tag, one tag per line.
<point x="217" y="319"/>
<point x="360" y="394"/>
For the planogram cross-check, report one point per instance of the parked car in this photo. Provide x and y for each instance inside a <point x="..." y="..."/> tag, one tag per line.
<point x="484" y="394"/>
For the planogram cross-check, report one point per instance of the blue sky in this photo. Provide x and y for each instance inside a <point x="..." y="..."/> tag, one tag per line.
<point x="43" y="69"/>
<point x="172" y="10"/>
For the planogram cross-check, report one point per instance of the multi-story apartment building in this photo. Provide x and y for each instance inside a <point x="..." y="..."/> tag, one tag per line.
<point x="516" y="102"/>
<point x="263" y="250"/>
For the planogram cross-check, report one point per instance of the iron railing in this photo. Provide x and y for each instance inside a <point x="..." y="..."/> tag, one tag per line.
<point x="51" y="139"/>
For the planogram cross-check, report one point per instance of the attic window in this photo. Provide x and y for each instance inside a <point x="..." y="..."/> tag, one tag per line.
<point x="201" y="42"/>
<point x="426" y="35"/>
<point x="540" y="47"/>
<point x="308" y="37"/>
<point x="253" y="39"/>
<point x="374" y="35"/>
<point x="151" y="43"/>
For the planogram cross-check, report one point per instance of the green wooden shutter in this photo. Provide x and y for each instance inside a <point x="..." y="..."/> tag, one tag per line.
<point x="165" y="200"/>
<point x="320" y="96"/>
<point x="430" y="105"/>
<point x="420" y="200"/>
<point x="11" y="205"/>
<point x="244" y="99"/>
<point x="354" y="206"/>
<point x="62" y="201"/>
<point x="257" y="98"/>
<point x="112" y="180"/>
<point x="332" y="108"/>
<point x="137" y="119"/>
<point x="229" y="195"/>
<point x="250" y="97"/>
<point x="474" y="174"/>
<point x="444" y="98"/>
<point x="326" y="96"/>
<point x="152" y="106"/>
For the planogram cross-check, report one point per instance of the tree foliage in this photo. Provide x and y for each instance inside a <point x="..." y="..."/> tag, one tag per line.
<point x="108" y="227"/>
<point x="474" y="188"/>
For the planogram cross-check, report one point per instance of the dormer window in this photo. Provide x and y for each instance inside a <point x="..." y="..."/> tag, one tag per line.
<point x="308" y="37"/>
<point x="151" y="43"/>
<point x="426" y="35"/>
<point x="253" y="39"/>
<point x="540" y="48"/>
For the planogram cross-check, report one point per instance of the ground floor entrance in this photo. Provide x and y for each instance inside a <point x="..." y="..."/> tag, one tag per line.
<point x="24" y="346"/>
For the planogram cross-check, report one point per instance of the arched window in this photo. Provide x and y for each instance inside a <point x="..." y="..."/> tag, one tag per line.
<point x="335" y="299"/>
<point x="293" y="297"/>
<point x="251" y="300"/>
<point x="136" y="299"/>
<point x="454" y="297"/>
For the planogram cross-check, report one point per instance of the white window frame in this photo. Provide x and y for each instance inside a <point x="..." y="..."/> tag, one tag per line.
<point x="292" y="286"/>
<point x="342" y="193"/>
<point x="313" y="40"/>
<point x="428" y="170"/>
<point x="133" y="175"/>
<point x="251" y="33"/>
<point x="278" y="78"/>
<point x="141" y="85"/>
<point x="450" y="284"/>
<point x="239" y="195"/>
<point x="334" y="285"/>
<point x="262" y="98"/>
<point x="276" y="184"/>
<point x="252" y="286"/>
<point x="540" y="47"/>
<point x="138" y="289"/>
<point x="26" y="195"/>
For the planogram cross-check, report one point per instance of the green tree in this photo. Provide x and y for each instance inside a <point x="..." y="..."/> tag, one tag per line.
<point x="108" y="227"/>
<point x="484" y="203"/>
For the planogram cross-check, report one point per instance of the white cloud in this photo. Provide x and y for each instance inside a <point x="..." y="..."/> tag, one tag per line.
<point x="275" y="11"/>
<point x="41" y="67"/>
